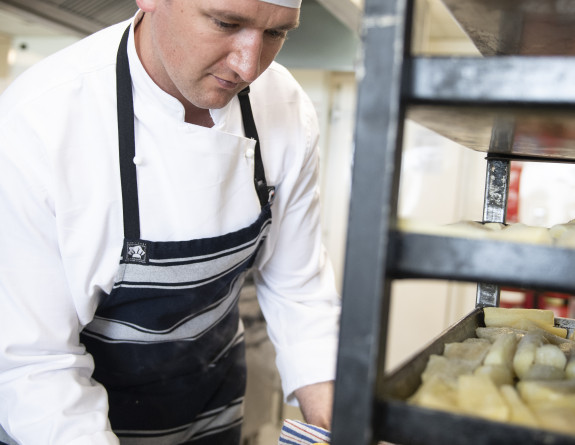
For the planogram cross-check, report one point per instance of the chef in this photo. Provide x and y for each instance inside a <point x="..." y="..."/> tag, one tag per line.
<point x="144" y="171"/>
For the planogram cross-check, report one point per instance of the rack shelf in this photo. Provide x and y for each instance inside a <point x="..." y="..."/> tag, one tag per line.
<point x="401" y="423"/>
<point x="527" y="266"/>
<point x="526" y="27"/>
<point x="526" y="102"/>
<point x="524" y="87"/>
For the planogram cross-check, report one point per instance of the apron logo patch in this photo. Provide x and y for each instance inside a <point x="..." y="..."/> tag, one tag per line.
<point x="136" y="252"/>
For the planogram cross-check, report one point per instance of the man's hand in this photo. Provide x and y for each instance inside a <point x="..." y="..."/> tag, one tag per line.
<point x="316" y="403"/>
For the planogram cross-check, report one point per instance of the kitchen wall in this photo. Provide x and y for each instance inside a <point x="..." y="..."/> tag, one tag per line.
<point x="25" y="50"/>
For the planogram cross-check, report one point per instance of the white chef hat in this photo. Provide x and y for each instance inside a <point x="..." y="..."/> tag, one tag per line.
<point x="286" y="3"/>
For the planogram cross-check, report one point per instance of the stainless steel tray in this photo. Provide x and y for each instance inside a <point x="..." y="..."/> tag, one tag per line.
<point x="401" y="423"/>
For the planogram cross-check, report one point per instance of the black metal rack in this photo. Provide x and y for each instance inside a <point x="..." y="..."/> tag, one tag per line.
<point x="516" y="102"/>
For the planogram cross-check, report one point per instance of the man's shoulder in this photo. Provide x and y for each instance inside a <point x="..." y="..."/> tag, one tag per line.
<point x="283" y="109"/>
<point x="278" y="79"/>
<point x="280" y="71"/>
<point x="277" y="89"/>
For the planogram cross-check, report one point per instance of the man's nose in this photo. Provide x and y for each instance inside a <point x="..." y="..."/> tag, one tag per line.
<point x="246" y="54"/>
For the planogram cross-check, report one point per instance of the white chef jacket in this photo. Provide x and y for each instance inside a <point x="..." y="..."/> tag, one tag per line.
<point x="61" y="227"/>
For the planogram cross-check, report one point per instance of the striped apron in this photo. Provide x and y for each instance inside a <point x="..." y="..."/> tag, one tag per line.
<point x="168" y="341"/>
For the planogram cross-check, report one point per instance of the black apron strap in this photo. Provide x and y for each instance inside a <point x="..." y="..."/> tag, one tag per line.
<point x="126" y="141"/>
<point x="262" y="189"/>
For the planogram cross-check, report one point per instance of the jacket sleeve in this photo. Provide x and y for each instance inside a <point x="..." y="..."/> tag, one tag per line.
<point x="47" y="395"/>
<point x="295" y="280"/>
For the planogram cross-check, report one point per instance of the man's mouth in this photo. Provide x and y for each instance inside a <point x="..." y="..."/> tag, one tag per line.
<point x="226" y="84"/>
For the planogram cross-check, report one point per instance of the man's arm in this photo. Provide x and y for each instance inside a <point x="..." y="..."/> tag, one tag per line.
<point x="316" y="402"/>
<point x="295" y="281"/>
<point x="46" y="394"/>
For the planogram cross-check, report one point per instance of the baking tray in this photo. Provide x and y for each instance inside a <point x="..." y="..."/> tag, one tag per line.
<point x="400" y="423"/>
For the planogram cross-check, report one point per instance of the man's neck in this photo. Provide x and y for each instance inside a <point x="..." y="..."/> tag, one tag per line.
<point x="198" y="116"/>
<point x="193" y="114"/>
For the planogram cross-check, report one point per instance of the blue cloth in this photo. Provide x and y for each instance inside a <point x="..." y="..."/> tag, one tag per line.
<point x="295" y="432"/>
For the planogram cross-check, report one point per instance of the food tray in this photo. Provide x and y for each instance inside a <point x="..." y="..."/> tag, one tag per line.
<point x="401" y="423"/>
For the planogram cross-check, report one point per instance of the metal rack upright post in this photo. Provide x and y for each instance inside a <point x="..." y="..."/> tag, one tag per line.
<point x="375" y="183"/>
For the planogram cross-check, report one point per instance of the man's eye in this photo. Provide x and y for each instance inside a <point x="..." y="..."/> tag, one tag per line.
<point x="224" y="25"/>
<point x="275" y="34"/>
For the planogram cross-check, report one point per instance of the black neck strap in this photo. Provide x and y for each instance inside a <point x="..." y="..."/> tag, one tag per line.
<point x="127" y="146"/>
<point x="126" y="142"/>
<point x="251" y="132"/>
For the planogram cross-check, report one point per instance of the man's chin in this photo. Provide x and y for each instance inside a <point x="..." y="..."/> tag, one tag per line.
<point x="217" y="100"/>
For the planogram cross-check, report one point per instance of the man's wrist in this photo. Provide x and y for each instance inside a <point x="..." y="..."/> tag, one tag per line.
<point x="316" y="402"/>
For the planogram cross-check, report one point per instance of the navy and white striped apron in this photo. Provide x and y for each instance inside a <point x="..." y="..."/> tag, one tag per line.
<point x="168" y="341"/>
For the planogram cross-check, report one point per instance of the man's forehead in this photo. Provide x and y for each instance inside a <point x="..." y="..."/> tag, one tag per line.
<point x="286" y="3"/>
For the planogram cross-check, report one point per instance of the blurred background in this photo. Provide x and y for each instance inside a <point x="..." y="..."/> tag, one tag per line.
<point x="441" y="181"/>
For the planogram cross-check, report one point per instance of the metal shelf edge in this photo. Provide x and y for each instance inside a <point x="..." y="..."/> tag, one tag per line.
<point x="520" y="265"/>
<point x="522" y="80"/>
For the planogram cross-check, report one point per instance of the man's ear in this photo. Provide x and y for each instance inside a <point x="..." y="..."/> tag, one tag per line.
<point x="146" y="5"/>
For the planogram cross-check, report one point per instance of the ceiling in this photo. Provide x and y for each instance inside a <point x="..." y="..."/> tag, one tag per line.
<point x="83" y="17"/>
<point x="48" y="17"/>
<point x="87" y="16"/>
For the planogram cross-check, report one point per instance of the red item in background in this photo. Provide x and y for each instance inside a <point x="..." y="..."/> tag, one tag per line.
<point x="558" y="303"/>
<point x="513" y="194"/>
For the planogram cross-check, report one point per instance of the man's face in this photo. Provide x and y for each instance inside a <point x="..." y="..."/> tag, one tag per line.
<point x="206" y="51"/>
